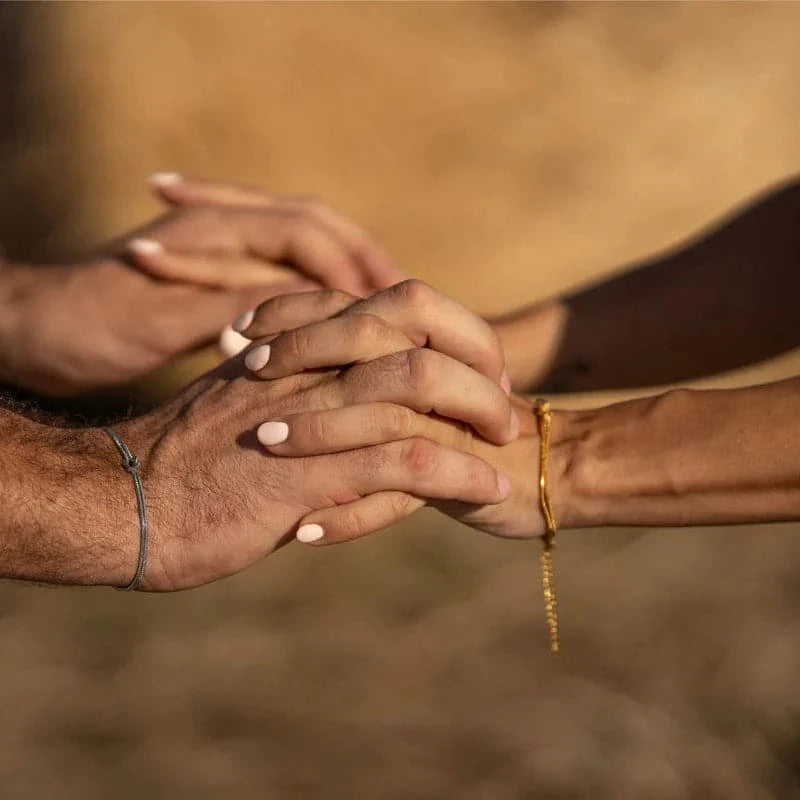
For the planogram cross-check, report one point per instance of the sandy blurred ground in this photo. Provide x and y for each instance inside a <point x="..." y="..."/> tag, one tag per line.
<point x="504" y="152"/>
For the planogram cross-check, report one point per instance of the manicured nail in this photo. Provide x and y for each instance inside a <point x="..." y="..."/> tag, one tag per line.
<point x="257" y="358"/>
<point x="242" y="322"/>
<point x="503" y="484"/>
<point x="232" y="343"/>
<point x="165" y="178"/>
<point x="309" y="533"/>
<point x="514" y="424"/>
<point x="270" y="433"/>
<point x="505" y="382"/>
<point x="145" y="247"/>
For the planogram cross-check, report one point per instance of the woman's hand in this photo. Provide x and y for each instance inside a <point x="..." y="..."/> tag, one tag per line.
<point x="100" y="323"/>
<point x="429" y="318"/>
<point x="231" y="236"/>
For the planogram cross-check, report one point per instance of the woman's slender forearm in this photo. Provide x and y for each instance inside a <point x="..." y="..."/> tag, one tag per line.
<point x="682" y="458"/>
<point x="725" y="300"/>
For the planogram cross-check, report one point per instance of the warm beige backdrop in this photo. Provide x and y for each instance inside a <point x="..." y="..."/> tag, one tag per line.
<point x="504" y="151"/>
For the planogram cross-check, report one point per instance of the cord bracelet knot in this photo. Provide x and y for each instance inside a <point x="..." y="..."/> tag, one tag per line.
<point x="131" y="464"/>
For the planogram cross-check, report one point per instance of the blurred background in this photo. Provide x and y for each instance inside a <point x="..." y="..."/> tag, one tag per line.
<point x="504" y="152"/>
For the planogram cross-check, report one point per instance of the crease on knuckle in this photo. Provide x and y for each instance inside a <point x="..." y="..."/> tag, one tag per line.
<point x="294" y="344"/>
<point x="394" y="422"/>
<point x="420" y="368"/>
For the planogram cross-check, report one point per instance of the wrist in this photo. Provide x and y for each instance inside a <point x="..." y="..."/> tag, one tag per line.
<point x="72" y="514"/>
<point x="530" y="339"/>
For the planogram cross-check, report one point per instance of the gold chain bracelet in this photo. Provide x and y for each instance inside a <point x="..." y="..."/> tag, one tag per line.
<point x="543" y="418"/>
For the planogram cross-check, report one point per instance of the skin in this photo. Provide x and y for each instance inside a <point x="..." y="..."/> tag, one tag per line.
<point x="126" y="311"/>
<point x="680" y="458"/>
<point x="217" y="500"/>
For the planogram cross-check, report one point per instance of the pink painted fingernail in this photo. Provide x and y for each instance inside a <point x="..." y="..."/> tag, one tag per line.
<point x="243" y="321"/>
<point x="270" y="433"/>
<point x="165" y="178"/>
<point x="309" y="533"/>
<point x="257" y="358"/>
<point x="145" y="247"/>
<point x="514" y="424"/>
<point x="505" y="382"/>
<point x="503" y="484"/>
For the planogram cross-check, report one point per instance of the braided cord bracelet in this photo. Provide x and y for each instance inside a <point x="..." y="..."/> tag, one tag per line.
<point x="130" y="463"/>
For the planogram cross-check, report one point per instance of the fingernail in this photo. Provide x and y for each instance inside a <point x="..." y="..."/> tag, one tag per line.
<point x="145" y="247"/>
<point x="309" y="533"/>
<point x="232" y="343"/>
<point x="503" y="485"/>
<point x="514" y="424"/>
<point x="270" y="433"/>
<point x="257" y="358"/>
<point x="505" y="382"/>
<point x="242" y="322"/>
<point x="165" y="178"/>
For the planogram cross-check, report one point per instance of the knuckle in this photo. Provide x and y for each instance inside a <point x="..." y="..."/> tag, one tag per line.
<point x="317" y="429"/>
<point x="294" y="344"/>
<point x="368" y="327"/>
<point x="416" y="292"/>
<point x="420" y="456"/>
<point x="420" y="367"/>
<point x="394" y="422"/>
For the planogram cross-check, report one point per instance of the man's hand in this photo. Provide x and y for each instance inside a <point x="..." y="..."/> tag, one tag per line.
<point x="67" y="329"/>
<point x="220" y="501"/>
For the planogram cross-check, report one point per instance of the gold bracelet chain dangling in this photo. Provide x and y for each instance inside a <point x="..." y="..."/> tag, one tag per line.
<point x="543" y="418"/>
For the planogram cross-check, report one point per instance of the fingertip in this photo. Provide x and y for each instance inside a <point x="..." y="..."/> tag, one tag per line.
<point x="514" y="425"/>
<point x="505" y="382"/>
<point x="272" y="433"/>
<point x="231" y="343"/>
<point x="257" y="358"/>
<point x="309" y="533"/>
<point x="244" y="320"/>
<point x="161" y="180"/>
<point x="145" y="247"/>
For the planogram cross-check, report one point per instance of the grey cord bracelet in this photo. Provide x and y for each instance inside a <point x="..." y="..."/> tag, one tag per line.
<point x="131" y="464"/>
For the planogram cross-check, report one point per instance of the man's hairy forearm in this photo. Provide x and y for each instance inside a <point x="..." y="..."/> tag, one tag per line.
<point x="683" y="458"/>
<point x="68" y="512"/>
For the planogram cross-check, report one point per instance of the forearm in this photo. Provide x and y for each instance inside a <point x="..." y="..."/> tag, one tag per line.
<point x="68" y="513"/>
<point x="720" y="302"/>
<point x="682" y="458"/>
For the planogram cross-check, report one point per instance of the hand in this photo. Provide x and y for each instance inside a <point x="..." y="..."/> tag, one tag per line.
<point x="347" y="428"/>
<point x="100" y="323"/>
<point x="233" y="236"/>
<point x="219" y="501"/>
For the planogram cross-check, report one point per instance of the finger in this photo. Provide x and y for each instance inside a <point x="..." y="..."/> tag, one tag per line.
<point x="218" y="271"/>
<point x="298" y="239"/>
<point x="292" y="311"/>
<point x="430" y="382"/>
<point x="335" y="342"/>
<point x="416" y="466"/>
<point x="432" y="319"/>
<point x="357" y="519"/>
<point x="351" y="427"/>
<point x="379" y="267"/>
<point x="176" y="189"/>
<point x="185" y="317"/>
